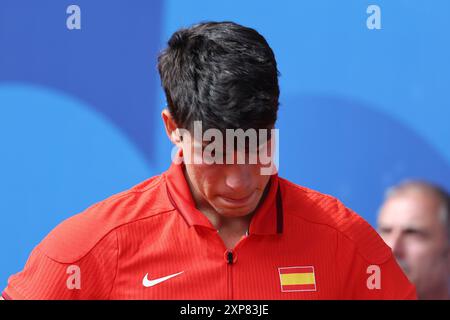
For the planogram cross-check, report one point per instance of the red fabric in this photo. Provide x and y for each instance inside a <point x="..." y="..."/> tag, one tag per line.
<point x="296" y="270"/>
<point x="153" y="231"/>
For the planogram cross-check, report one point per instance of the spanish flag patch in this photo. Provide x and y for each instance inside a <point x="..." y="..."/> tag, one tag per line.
<point x="297" y="279"/>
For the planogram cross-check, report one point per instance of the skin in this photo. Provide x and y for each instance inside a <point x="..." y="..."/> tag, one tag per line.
<point x="227" y="194"/>
<point x="410" y="223"/>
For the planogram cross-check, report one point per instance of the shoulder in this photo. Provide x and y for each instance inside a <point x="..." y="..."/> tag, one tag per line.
<point x="317" y="208"/>
<point x="75" y="237"/>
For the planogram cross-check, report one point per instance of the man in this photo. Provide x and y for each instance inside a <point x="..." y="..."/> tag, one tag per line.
<point x="215" y="225"/>
<point x="414" y="222"/>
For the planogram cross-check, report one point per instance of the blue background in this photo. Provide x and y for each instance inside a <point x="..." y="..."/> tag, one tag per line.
<point x="80" y="109"/>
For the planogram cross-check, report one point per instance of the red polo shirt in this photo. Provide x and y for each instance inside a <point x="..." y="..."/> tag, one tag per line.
<point x="150" y="242"/>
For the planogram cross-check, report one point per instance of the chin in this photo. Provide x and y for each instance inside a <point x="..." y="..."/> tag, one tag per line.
<point x="235" y="212"/>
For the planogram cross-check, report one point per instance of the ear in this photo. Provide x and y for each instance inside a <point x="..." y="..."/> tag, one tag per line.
<point x="171" y="128"/>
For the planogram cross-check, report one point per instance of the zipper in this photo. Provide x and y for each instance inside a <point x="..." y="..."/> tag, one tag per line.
<point x="229" y="274"/>
<point x="230" y="259"/>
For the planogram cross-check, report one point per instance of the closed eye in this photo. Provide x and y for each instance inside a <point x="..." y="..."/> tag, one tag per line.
<point x="416" y="233"/>
<point x="384" y="230"/>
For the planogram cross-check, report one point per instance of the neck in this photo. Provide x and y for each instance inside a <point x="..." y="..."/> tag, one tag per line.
<point x="235" y="225"/>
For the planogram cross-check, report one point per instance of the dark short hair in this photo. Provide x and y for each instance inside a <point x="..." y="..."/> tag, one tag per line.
<point x="221" y="73"/>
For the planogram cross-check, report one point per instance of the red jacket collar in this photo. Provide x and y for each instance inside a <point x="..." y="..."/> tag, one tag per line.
<point x="268" y="218"/>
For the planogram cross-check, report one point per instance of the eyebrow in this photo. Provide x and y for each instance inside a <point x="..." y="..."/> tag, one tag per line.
<point x="407" y="229"/>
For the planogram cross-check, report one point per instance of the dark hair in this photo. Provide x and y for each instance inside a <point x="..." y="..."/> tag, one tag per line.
<point x="221" y="73"/>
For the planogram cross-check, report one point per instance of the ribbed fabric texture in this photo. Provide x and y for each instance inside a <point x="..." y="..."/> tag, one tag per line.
<point x="140" y="234"/>
<point x="45" y="278"/>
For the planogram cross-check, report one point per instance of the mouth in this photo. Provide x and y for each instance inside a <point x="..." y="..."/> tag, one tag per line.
<point x="238" y="201"/>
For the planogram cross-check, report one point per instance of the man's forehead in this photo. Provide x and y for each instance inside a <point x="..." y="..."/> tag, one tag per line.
<point x="409" y="212"/>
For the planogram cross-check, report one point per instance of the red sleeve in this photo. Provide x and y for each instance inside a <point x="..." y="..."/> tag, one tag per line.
<point x="44" y="278"/>
<point x="366" y="279"/>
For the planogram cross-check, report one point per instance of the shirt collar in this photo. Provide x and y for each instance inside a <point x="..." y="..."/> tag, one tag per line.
<point x="268" y="218"/>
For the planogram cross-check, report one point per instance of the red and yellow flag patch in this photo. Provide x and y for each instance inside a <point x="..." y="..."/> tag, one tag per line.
<point x="297" y="279"/>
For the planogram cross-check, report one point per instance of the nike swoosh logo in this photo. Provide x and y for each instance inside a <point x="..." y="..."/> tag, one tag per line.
<point x="150" y="283"/>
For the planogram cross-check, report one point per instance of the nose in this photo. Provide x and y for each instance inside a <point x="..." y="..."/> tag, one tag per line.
<point x="238" y="178"/>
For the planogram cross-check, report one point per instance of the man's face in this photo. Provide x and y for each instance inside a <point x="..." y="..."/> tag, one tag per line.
<point x="231" y="190"/>
<point x="410" y="224"/>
